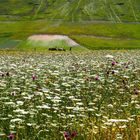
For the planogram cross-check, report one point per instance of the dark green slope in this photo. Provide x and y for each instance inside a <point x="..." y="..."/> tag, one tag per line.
<point x="114" y="10"/>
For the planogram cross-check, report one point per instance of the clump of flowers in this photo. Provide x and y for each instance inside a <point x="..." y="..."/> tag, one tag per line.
<point x="97" y="78"/>
<point x="11" y="136"/>
<point x="70" y="135"/>
<point x="34" y="77"/>
<point x="114" y="63"/>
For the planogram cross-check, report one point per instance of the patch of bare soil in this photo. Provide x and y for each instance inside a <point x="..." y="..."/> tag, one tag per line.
<point x="48" y="38"/>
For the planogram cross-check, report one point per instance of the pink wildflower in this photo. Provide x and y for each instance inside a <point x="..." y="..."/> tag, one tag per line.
<point x="34" y="77"/>
<point x="11" y="136"/>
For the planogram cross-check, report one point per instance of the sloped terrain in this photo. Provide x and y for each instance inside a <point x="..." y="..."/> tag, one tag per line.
<point x="74" y="10"/>
<point x="93" y="35"/>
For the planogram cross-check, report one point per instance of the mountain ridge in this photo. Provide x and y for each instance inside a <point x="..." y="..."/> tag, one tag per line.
<point x="72" y="10"/>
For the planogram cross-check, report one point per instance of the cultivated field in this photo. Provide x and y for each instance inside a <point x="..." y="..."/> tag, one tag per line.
<point x="54" y="96"/>
<point x="92" y="35"/>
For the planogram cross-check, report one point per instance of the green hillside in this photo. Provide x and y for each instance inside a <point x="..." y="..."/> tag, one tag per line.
<point x="94" y="24"/>
<point x="74" y="10"/>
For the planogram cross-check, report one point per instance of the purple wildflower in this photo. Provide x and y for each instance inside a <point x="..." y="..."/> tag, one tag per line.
<point x="73" y="134"/>
<point x="66" y="134"/>
<point x="97" y="78"/>
<point x="113" y="63"/>
<point x="34" y="77"/>
<point x="11" y="136"/>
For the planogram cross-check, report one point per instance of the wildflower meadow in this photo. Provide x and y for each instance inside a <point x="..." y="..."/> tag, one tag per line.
<point x="68" y="96"/>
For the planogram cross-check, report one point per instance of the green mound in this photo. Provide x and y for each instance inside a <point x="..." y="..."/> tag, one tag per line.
<point x="44" y="45"/>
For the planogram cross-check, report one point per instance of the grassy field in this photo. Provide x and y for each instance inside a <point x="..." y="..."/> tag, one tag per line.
<point x="93" y="35"/>
<point x="24" y="28"/>
<point x="91" y="92"/>
<point x="93" y="96"/>
<point x="94" y="43"/>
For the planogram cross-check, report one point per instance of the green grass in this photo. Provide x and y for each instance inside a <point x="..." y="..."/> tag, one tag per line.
<point x="104" y="43"/>
<point x="44" y="46"/>
<point x="74" y="10"/>
<point x="122" y="36"/>
<point x="8" y="43"/>
<point x="99" y="29"/>
<point x="23" y="29"/>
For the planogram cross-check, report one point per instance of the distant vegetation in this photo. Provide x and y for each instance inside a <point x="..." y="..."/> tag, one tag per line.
<point x="95" y="24"/>
<point x="74" y="10"/>
<point x="89" y="34"/>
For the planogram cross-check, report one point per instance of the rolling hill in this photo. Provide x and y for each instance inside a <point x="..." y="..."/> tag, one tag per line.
<point x="85" y="21"/>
